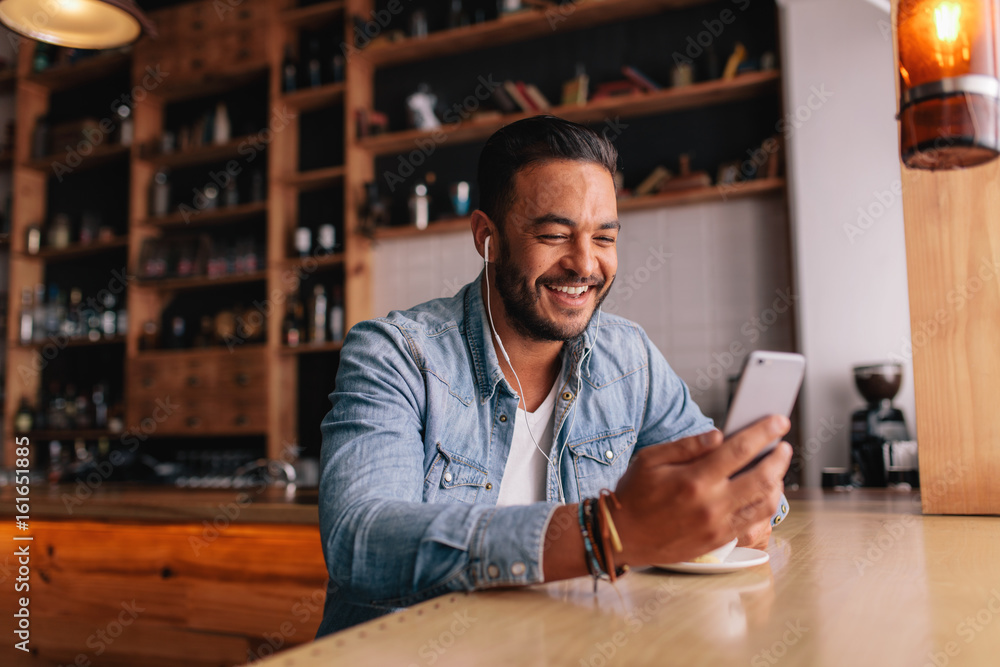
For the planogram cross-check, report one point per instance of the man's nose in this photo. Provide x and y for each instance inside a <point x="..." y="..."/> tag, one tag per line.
<point x="580" y="258"/>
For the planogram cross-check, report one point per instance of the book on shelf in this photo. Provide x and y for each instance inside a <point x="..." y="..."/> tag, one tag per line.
<point x="536" y="97"/>
<point x="652" y="183"/>
<point x="504" y="101"/>
<point x="575" y="90"/>
<point x="616" y="89"/>
<point x="640" y="79"/>
<point x="515" y="94"/>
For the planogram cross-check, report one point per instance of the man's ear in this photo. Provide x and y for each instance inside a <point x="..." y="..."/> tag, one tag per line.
<point x="483" y="227"/>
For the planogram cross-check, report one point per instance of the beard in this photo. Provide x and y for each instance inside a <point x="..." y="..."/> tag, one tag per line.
<point x="521" y="299"/>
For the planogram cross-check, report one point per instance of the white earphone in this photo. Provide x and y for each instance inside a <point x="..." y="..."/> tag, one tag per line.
<point x="579" y="385"/>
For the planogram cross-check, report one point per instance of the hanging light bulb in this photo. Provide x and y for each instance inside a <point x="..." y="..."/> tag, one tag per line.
<point x="949" y="87"/>
<point x="78" y="24"/>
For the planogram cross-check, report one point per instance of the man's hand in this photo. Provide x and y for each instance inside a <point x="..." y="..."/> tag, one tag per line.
<point x="678" y="501"/>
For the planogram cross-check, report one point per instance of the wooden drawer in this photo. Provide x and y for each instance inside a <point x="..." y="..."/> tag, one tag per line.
<point x="199" y="392"/>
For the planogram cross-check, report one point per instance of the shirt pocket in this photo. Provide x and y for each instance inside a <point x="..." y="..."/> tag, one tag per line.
<point x="602" y="457"/>
<point x="452" y="479"/>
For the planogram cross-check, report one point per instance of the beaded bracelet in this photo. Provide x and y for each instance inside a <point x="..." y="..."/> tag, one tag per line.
<point x="592" y="564"/>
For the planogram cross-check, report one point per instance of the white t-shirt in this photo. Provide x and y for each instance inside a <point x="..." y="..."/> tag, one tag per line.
<point x="524" y="475"/>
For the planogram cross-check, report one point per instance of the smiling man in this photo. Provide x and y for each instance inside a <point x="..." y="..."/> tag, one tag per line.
<point x="470" y="437"/>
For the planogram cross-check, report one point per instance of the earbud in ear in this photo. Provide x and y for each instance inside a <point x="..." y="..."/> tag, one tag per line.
<point x="486" y="250"/>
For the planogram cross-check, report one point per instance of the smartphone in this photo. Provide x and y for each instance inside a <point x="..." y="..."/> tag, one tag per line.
<point x="768" y="385"/>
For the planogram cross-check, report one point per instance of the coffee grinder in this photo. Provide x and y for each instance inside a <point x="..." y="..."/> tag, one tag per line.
<point x="876" y="424"/>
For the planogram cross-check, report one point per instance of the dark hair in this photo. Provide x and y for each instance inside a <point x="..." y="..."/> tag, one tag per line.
<point x="532" y="141"/>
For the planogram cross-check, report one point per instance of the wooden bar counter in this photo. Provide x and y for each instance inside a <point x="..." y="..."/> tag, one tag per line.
<point x="854" y="578"/>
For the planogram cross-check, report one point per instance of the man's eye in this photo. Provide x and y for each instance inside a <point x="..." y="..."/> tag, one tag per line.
<point x="553" y="237"/>
<point x="606" y="239"/>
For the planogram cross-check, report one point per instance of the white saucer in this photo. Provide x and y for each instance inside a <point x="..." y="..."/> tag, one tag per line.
<point x="740" y="559"/>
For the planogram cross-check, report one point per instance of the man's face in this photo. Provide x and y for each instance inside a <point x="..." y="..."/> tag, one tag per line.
<point x="559" y="235"/>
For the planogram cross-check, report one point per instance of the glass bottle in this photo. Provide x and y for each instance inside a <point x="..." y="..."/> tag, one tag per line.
<point x="292" y="324"/>
<point x="26" y="326"/>
<point x="159" y="195"/>
<point x="289" y="71"/>
<point x="337" y="315"/>
<point x="222" y="130"/>
<point x="315" y="72"/>
<point x="24" y="419"/>
<point x="317" y="315"/>
<point x="38" y="314"/>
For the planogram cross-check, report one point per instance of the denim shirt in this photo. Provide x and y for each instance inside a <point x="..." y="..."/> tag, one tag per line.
<point x="415" y="445"/>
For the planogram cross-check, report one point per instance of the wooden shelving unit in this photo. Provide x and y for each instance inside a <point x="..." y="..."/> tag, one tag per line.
<point x="192" y="157"/>
<point x="315" y="178"/>
<point x="73" y="75"/>
<point x="302" y="17"/>
<point x="318" y="263"/>
<point x="312" y="348"/>
<point x="627" y="106"/>
<point x="215" y="216"/>
<point x="98" y="156"/>
<point x="764" y="186"/>
<point x="78" y="342"/>
<point x="536" y="22"/>
<point x="200" y="282"/>
<point x="310" y="99"/>
<point x="78" y="250"/>
<point x="352" y="266"/>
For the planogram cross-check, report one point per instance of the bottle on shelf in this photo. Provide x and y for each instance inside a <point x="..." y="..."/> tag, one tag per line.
<point x="159" y="195"/>
<point x="38" y="314"/>
<point x="40" y="138"/>
<point x="293" y="324"/>
<point x="231" y="194"/>
<point x="60" y="232"/>
<point x="73" y="325"/>
<point x="315" y="70"/>
<point x="24" y="419"/>
<point x="420" y="206"/>
<point x="303" y="241"/>
<point x="327" y="238"/>
<point x="222" y="129"/>
<point x="257" y="186"/>
<point x="27" y="320"/>
<point x="177" y="337"/>
<point x="457" y="16"/>
<point x="318" y="307"/>
<point x="289" y="71"/>
<point x="126" y="125"/>
<point x="100" y="406"/>
<point x="109" y="318"/>
<point x="336" y="68"/>
<point x="337" y="315"/>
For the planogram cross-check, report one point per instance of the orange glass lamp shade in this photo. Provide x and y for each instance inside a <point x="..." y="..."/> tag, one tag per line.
<point x="78" y="24"/>
<point x="949" y="107"/>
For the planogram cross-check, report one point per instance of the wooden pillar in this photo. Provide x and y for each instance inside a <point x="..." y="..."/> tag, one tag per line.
<point x="952" y="222"/>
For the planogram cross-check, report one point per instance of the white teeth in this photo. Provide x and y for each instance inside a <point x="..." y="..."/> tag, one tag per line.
<point x="572" y="290"/>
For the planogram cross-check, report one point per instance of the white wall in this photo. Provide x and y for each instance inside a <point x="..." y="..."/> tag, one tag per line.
<point x="844" y="156"/>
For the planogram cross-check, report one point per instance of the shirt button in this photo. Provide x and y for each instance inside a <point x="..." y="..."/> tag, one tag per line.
<point x="567" y="396"/>
<point x="609" y="454"/>
<point x="517" y="569"/>
<point x="447" y="477"/>
<point x="488" y="486"/>
<point x="493" y="571"/>
<point x="503" y="418"/>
